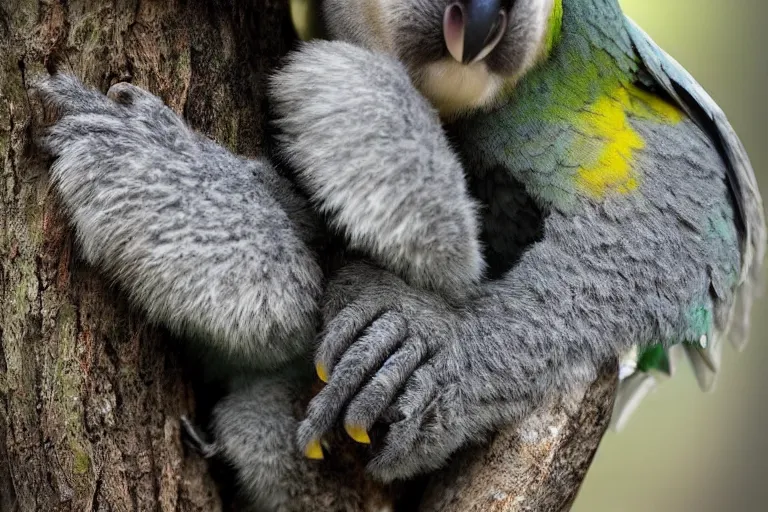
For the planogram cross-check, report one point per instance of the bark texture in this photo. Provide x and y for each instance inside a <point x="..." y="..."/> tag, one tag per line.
<point x="90" y="395"/>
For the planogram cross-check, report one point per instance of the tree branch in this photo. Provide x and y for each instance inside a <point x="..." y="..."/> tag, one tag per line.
<point x="536" y="466"/>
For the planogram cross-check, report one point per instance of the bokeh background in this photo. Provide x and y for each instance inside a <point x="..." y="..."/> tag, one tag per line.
<point x="684" y="450"/>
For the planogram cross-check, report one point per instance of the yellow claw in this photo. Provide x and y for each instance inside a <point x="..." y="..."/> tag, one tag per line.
<point x="358" y="434"/>
<point x="322" y="372"/>
<point x="314" y="450"/>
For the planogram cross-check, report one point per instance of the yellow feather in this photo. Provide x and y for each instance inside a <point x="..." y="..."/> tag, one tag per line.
<point x="606" y="123"/>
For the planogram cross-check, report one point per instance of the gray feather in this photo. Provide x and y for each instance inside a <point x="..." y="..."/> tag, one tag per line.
<point x="690" y="96"/>
<point x="706" y="376"/>
<point x="630" y="395"/>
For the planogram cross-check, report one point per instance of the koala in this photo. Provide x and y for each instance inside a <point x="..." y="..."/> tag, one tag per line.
<point x="223" y="250"/>
<point x="475" y="288"/>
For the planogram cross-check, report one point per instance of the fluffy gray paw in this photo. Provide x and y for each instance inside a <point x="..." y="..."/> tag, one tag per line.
<point x="372" y="153"/>
<point x="253" y="430"/>
<point x="194" y="234"/>
<point x="255" y="435"/>
<point x="393" y="355"/>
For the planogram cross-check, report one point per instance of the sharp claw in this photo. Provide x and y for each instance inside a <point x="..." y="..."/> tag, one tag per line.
<point x="322" y="373"/>
<point x="314" y="450"/>
<point x="358" y="434"/>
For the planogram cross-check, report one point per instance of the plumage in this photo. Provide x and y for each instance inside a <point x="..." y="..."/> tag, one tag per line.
<point x="741" y="181"/>
<point x="604" y="86"/>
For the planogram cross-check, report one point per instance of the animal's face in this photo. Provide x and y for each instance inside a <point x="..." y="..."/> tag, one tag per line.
<point x="460" y="52"/>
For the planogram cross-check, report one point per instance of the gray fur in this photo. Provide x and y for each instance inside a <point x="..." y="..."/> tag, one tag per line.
<point x="607" y="274"/>
<point x="439" y="372"/>
<point x="570" y="303"/>
<point x="412" y="31"/>
<point x="253" y="431"/>
<point x="190" y="232"/>
<point x="198" y="238"/>
<point x="372" y="154"/>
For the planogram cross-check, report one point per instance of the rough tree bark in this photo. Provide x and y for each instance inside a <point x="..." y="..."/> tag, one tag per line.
<point x="90" y="395"/>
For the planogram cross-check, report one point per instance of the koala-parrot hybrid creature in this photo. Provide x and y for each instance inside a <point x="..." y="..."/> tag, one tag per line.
<point x="652" y="229"/>
<point x="617" y="209"/>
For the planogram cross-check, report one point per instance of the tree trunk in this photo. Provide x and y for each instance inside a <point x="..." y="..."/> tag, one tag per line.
<point x="90" y="395"/>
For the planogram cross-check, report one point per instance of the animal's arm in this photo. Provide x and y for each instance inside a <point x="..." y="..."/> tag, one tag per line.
<point x="207" y="243"/>
<point x="442" y="376"/>
<point x="451" y="375"/>
<point x="372" y="153"/>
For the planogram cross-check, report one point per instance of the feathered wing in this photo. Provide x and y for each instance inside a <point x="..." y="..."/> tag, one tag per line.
<point x="695" y="101"/>
<point x="691" y="97"/>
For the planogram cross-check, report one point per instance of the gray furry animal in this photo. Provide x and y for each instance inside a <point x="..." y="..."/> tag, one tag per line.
<point x="597" y="236"/>
<point x="220" y="249"/>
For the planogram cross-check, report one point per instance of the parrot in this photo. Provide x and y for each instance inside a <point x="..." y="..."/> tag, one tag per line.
<point x="621" y="219"/>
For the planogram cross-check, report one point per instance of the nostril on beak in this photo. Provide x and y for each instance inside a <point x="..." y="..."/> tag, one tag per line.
<point x="473" y="28"/>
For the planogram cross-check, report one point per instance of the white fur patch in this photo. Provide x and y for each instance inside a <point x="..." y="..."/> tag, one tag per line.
<point x="454" y="87"/>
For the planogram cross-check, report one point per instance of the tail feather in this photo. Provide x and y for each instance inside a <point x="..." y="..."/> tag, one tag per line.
<point x="738" y="333"/>
<point x="706" y="374"/>
<point x="636" y="385"/>
<point x="631" y="393"/>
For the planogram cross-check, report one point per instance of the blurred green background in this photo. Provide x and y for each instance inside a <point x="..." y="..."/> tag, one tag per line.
<point x="684" y="450"/>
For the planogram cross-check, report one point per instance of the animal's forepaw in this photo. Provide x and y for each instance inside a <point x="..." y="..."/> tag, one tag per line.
<point x="65" y="95"/>
<point x="86" y="122"/>
<point x="392" y="356"/>
<point x="96" y="137"/>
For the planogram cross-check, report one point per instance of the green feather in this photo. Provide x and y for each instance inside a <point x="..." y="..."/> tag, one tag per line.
<point x="565" y="131"/>
<point x="654" y="358"/>
<point x="554" y="27"/>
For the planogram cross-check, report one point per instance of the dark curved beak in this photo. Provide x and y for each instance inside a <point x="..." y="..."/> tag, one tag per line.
<point x="473" y="27"/>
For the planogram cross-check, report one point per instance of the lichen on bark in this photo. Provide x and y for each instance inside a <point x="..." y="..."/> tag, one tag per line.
<point x="90" y="395"/>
